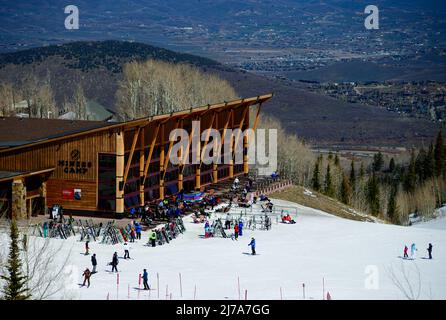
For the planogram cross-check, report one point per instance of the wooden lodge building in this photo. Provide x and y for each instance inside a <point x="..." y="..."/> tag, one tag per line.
<point x="93" y="167"/>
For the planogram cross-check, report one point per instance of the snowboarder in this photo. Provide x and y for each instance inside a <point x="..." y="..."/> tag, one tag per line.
<point x="153" y="238"/>
<point x="145" y="278"/>
<point x="413" y="250"/>
<point x="236" y="231"/>
<point x="87" y="247"/>
<point x="114" y="262"/>
<point x="94" y="262"/>
<point x="429" y="250"/>
<point x="405" y="252"/>
<point x="253" y="246"/>
<point x="86" y="275"/>
<point x="240" y="228"/>
<point x="126" y="251"/>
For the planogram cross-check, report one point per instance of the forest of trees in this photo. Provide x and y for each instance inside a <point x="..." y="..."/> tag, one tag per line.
<point x="38" y="96"/>
<point x="157" y="87"/>
<point x="391" y="190"/>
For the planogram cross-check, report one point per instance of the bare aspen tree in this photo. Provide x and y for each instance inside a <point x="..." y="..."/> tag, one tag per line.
<point x="156" y="87"/>
<point x="6" y="100"/>
<point x="80" y="104"/>
<point x="44" y="103"/>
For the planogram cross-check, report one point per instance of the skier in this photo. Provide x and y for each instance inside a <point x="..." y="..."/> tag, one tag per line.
<point x="405" y="252"/>
<point x="138" y="231"/>
<point x="413" y="248"/>
<point x="132" y="234"/>
<point x="253" y="246"/>
<point x="228" y="221"/>
<point x="429" y="250"/>
<point x="94" y="262"/>
<point x="236" y="231"/>
<point x="126" y="251"/>
<point x="153" y="238"/>
<point x="236" y="182"/>
<point x="240" y="228"/>
<point x="87" y="247"/>
<point x="145" y="278"/>
<point x="114" y="262"/>
<point x="86" y="276"/>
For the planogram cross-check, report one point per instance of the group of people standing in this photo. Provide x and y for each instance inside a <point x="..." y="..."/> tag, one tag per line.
<point x="413" y="250"/>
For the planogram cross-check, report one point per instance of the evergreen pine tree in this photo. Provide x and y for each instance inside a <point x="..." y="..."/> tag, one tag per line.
<point x="429" y="163"/>
<point x="346" y="190"/>
<point x="328" y="184"/>
<point x="391" y="165"/>
<point x="378" y="161"/>
<point x="361" y="170"/>
<point x="439" y="155"/>
<point x="352" y="174"/>
<point x="336" y="160"/>
<point x="15" y="282"/>
<point x="419" y="165"/>
<point x="316" y="184"/>
<point x="392" y="208"/>
<point x="410" y="178"/>
<point x="373" y="194"/>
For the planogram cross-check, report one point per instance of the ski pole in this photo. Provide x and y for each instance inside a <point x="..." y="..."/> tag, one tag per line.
<point x="246" y="294"/>
<point x="303" y="290"/>
<point x="238" y="284"/>
<point x="158" y="283"/>
<point x="323" y="288"/>
<point x="181" y="287"/>
<point x="117" y="286"/>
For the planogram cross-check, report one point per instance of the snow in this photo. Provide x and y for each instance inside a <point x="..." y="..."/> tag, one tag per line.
<point x="319" y="246"/>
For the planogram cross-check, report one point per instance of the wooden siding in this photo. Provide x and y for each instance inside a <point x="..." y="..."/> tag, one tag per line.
<point x="52" y="154"/>
<point x="88" y="194"/>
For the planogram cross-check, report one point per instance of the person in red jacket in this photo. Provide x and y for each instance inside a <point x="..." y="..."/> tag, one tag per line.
<point x="405" y="252"/>
<point x="236" y="231"/>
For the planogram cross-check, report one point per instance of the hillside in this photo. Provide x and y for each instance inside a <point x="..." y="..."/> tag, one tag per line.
<point x="319" y="245"/>
<point x="319" y="119"/>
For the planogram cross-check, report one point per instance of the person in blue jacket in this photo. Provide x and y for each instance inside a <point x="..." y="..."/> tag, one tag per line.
<point x="138" y="229"/>
<point x="253" y="246"/>
<point x="145" y="278"/>
<point x="240" y="228"/>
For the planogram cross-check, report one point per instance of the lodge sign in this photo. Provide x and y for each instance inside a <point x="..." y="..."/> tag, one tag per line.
<point x="74" y="165"/>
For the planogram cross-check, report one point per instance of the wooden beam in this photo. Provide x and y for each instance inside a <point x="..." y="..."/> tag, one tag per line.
<point x="132" y="151"/>
<point x="214" y="163"/>
<point x="141" y="166"/>
<point x="149" y="158"/>
<point x="186" y="153"/>
<point x="241" y="128"/>
<point x="119" y="171"/>
<point x="166" y="162"/>
<point x="206" y="139"/>
<point x="225" y="128"/>
<point x="254" y="127"/>
<point x="161" y="167"/>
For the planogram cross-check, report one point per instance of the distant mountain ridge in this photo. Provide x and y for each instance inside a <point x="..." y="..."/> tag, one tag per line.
<point x="321" y="120"/>
<point x="111" y="54"/>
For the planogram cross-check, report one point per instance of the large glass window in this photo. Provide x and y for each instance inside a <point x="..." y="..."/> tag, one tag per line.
<point x="107" y="182"/>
